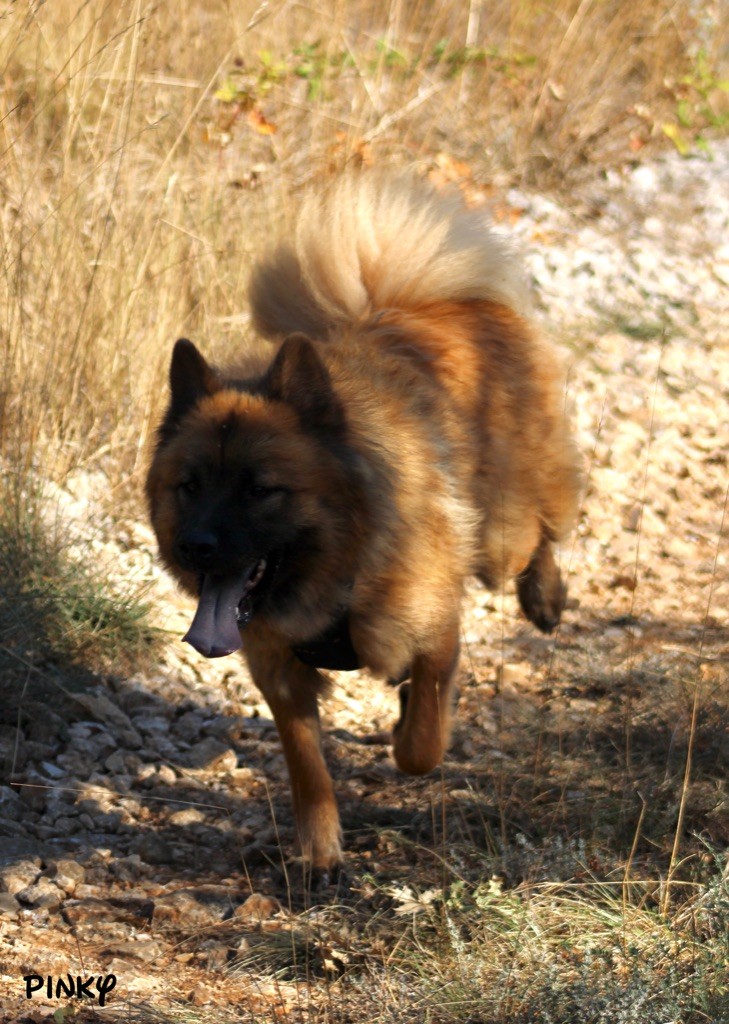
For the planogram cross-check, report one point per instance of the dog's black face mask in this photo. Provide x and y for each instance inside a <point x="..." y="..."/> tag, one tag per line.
<point x="239" y="512"/>
<point x="234" y="543"/>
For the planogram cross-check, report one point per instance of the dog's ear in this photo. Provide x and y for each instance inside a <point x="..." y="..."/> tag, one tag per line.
<point x="298" y="377"/>
<point x="191" y="378"/>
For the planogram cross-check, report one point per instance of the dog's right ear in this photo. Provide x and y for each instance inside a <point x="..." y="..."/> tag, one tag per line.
<point x="191" y="378"/>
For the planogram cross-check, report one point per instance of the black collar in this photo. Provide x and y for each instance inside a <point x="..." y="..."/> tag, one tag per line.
<point x="332" y="649"/>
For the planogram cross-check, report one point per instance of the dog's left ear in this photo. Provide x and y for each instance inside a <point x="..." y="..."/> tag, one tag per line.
<point x="298" y="377"/>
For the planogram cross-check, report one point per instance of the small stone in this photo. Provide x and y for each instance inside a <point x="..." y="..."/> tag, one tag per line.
<point x="97" y="911"/>
<point x="257" y="908"/>
<point x="146" y="950"/>
<point x="153" y="849"/>
<point x="514" y="673"/>
<point x="120" y="967"/>
<point x="86" y="892"/>
<point x="145" y="986"/>
<point x="165" y="775"/>
<point x="653" y="226"/>
<point x="201" y="995"/>
<point x="162" y="748"/>
<point x="223" y="727"/>
<point x="19" y="876"/>
<point x="196" y="907"/>
<point x="65" y="826"/>
<point x="241" y="778"/>
<point x="129" y="869"/>
<point x="210" y="753"/>
<point x="43" y="831"/>
<point x="34" y="793"/>
<point x="11" y="827"/>
<point x="13" y="754"/>
<point x="52" y="770"/>
<point x="131" y="805"/>
<point x="107" y="821"/>
<point x="43" y="894"/>
<point x="11" y="805"/>
<point x="104" y="710"/>
<point x="188" y="726"/>
<point x="187" y="816"/>
<point x="644" y="179"/>
<point x="146" y="773"/>
<point x="151" y="724"/>
<point x="66" y="874"/>
<point x="9" y="906"/>
<point x="216" y="955"/>
<point x="116" y="762"/>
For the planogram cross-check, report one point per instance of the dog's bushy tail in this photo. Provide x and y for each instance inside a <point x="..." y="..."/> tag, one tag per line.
<point x="377" y="242"/>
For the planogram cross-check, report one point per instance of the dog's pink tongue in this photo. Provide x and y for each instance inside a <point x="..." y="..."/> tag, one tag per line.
<point x="214" y="630"/>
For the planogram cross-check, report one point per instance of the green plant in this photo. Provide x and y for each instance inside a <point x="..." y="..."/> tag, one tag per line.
<point x="701" y="104"/>
<point x="561" y="952"/>
<point x="57" y="603"/>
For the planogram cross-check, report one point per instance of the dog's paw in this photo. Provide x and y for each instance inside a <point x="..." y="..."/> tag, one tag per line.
<point x="542" y="594"/>
<point x="325" y="880"/>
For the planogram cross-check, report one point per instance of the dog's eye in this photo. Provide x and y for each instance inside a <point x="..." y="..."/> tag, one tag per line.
<point x="189" y="485"/>
<point x="262" y="491"/>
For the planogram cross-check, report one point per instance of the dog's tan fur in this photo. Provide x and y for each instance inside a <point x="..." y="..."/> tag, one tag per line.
<point x="418" y="424"/>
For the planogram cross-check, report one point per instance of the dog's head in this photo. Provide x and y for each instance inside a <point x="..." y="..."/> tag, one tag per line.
<point x="250" y="494"/>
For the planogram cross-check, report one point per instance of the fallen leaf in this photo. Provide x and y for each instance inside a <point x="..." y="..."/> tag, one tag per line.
<point x="334" y="960"/>
<point x="453" y="169"/>
<point x="260" y="123"/>
<point x="411" y="902"/>
<point x="624" y="582"/>
<point x="506" y="213"/>
<point x="674" y="133"/>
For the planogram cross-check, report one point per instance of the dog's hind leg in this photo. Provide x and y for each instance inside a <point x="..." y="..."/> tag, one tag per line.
<point x="291" y="690"/>
<point x="422" y="734"/>
<point x="542" y="594"/>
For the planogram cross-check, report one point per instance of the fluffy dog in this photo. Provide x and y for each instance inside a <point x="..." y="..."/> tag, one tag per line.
<point x="326" y="499"/>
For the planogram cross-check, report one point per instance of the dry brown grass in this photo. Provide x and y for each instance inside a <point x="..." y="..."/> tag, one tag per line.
<point x="129" y="214"/>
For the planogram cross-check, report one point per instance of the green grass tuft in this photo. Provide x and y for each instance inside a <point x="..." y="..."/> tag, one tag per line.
<point x="57" y="605"/>
<point x="563" y="952"/>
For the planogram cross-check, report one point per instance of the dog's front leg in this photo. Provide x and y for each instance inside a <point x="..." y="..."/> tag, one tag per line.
<point x="423" y="732"/>
<point x="291" y="690"/>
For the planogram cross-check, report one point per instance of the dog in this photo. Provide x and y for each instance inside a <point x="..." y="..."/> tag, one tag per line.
<point x="402" y="428"/>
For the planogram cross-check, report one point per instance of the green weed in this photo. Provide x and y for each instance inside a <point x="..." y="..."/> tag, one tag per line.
<point x="57" y="605"/>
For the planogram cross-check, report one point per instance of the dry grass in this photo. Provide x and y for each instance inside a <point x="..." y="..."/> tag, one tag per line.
<point x="129" y="212"/>
<point x="579" y="952"/>
<point x="131" y="202"/>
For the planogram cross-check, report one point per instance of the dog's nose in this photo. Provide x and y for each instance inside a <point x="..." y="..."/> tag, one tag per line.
<point x="196" y="549"/>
